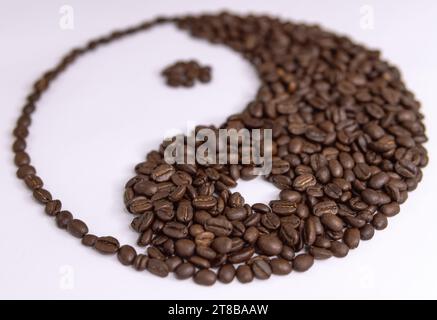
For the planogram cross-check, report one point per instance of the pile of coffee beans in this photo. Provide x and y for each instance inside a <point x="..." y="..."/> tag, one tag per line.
<point x="347" y="148"/>
<point x="186" y="73"/>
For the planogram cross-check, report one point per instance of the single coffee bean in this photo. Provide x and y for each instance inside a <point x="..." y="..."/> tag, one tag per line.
<point x="320" y="253"/>
<point x="77" y="228"/>
<point x="42" y="196"/>
<point x="218" y="226"/>
<point x="371" y="196"/>
<point x="206" y="252"/>
<point x="184" y="271"/>
<point x="185" y="248"/>
<point x="325" y="207"/>
<point x="222" y="244"/>
<point x="280" y="266"/>
<point x="126" y="255"/>
<point x="200" y="262"/>
<point x="332" y="222"/>
<point x="380" y="221"/>
<point x="140" y="262"/>
<point x="271" y="221"/>
<point x="162" y="173"/>
<point x="205" y="277"/>
<point x="367" y="232"/>
<point x="304" y="181"/>
<point x="157" y="267"/>
<point x="63" y="219"/>
<point x="390" y="209"/>
<point x="244" y="274"/>
<point x="269" y="244"/>
<point x="173" y="262"/>
<point x="204" y="202"/>
<point x="33" y="182"/>
<point x="139" y="205"/>
<point x="241" y="255"/>
<point x="283" y="207"/>
<point x="226" y="273"/>
<point x="261" y="269"/>
<point x="204" y="239"/>
<point x="25" y="171"/>
<point x="107" y="245"/>
<point x="143" y="222"/>
<point x="89" y="240"/>
<point x="261" y="208"/>
<point x="251" y="235"/>
<point x="175" y="230"/>
<point x="53" y="207"/>
<point x="339" y="249"/>
<point x="352" y="238"/>
<point x="146" y="188"/>
<point x="303" y="262"/>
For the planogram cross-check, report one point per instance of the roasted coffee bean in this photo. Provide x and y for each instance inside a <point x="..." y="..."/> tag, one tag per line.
<point x="320" y="253"/>
<point x="139" y="205"/>
<point x="33" y="182"/>
<point x="157" y="267"/>
<point x="77" y="228"/>
<point x="367" y="232"/>
<point x="146" y="188"/>
<point x="261" y="269"/>
<point x="206" y="252"/>
<point x="143" y="222"/>
<point x="89" y="240"/>
<point x="63" y="218"/>
<point x="332" y="222"/>
<point x="339" y="249"/>
<point x="42" y="196"/>
<point x="184" y="212"/>
<point x="175" y="230"/>
<point x="204" y="238"/>
<point x="140" y="262"/>
<point x="310" y="231"/>
<point x="379" y="180"/>
<point x="204" y="202"/>
<point x="233" y="214"/>
<point x="260" y="208"/>
<point x="390" y="209"/>
<point x="244" y="274"/>
<point x="185" y="271"/>
<point x="303" y="262"/>
<point x="25" y="171"/>
<point x="241" y="255"/>
<point x="200" y="262"/>
<point x="218" y="226"/>
<point x="226" y="273"/>
<point x="222" y="244"/>
<point x="271" y="221"/>
<point x="173" y="262"/>
<point x="107" y="245"/>
<point x="126" y="255"/>
<point x="352" y="238"/>
<point x="205" y="277"/>
<point x="371" y="197"/>
<point x="251" y="235"/>
<point x="185" y="248"/>
<point x="269" y="244"/>
<point x="304" y="181"/>
<point x="195" y="229"/>
<point x="291" y="196"/>
<point x="283" y="207"/>
<point x="380" y="221"/>
<point x="280" y="266"/>
<point x="162" y="173"/>
<point x="325" y="207"/>
<point x="289" y="234"/>
<point x="53" y="207"/>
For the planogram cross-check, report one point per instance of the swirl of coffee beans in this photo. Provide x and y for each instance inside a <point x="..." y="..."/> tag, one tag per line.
<point x="347" y="148"/>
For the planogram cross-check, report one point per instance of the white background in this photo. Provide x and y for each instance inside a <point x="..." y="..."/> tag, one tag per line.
<point x="102" y="116"/>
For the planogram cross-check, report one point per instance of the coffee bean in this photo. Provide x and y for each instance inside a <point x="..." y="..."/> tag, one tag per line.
<point x="371" y="196"/>
<point x="218" y="226"/>
<point x="146" y="188"/>
<point x="162" y="173"/>
<point x="185" y="271"/>
<point x="53" y="207"/>
<point x="126" y="255"/>
<point x="367" y="232"/>
<point x="304" y="181"/>
<point x="226" y="273"/>
<point x="89" y="240"/>
<point x="251" y="235"/>
<point x="33" y="182"/>
<point x="289" y="234"/>
<point x="235" y="213"/>
<point x="271" y="221"/>
<point x="107" y="245"/>
<point x="352" y="238"/>
<point x="380" y="221"/>
<point x="261" y="208"/>
<point x="42" y="196"/>
<point x="139" y="205"/>
<point x="63" y="219"/>
<point x="332" y="222"/>
<point x="184" y="212"/>
<point x="241" y="255"/>
<point x="390" y="209"/>
<point x="269" y="244"/>
<point x="205" y="277"/>
<point x="320" y="253"/>
<point x="77" y="228"/>
<point x="200" y="262"/>
<point x="280" y="266"/>
<point x="157" y="267"/>
<point x="204" y="202"/>
<point x="206" y="252"/>
<point x="261" y="269"/>
<point x="140" y="262"/>
<point x="173" y="262"/>
<point x="325" y="207"/>
<point x="303" y="262"/>
<point x="283" y="207"/>
<point x="339" y="249"/>
<point x="204" y="238"/>
<point x="143" y="222"/>
<point x="244" y="274"/>
<point x="185" y="248"/>
<point x="310" y="232"/>
<point x="222" y="244"/>
<point x="175" y="230"/>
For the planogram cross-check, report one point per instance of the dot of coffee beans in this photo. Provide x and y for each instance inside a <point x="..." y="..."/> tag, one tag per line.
<point x="348" y="147"/>
<point x="186" y="73"/>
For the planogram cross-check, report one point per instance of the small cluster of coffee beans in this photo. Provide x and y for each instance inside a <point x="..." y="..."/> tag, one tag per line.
<point x="186" y="73"/>
<point x="347" y="148"/>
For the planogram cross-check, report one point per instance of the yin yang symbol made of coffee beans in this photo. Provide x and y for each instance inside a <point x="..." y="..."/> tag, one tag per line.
<point x="347" y="148"/>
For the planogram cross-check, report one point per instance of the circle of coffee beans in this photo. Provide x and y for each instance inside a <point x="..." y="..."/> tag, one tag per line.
<point x="186" y="73"/>
<point x="347" y="148"/>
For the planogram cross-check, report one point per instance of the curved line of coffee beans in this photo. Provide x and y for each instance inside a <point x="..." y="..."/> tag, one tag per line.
<point x="347" y="150"/>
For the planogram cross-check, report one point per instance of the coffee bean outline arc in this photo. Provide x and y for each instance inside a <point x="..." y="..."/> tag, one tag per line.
<point x="348" y="137"/>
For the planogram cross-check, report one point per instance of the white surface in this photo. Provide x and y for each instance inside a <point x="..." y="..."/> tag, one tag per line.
<point x="95" y="124"/>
